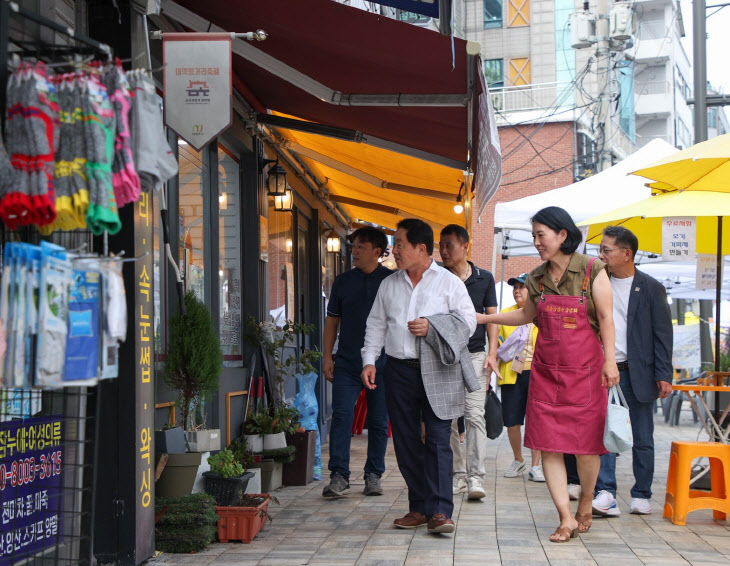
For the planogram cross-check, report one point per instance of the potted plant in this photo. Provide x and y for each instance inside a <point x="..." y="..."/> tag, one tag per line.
<point x="245" y="519"/>
<point x="258" y="424"/>
<point x="275" y="343"/>
<point x="192" y="368"/>
<point x="227" y="478"/>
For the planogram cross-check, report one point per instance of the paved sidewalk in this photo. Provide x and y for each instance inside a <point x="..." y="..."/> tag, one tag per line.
<point x="510" y="526"/>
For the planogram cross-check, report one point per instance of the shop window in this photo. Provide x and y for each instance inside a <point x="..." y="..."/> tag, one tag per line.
<point x="519" y="71"/>
<point x="492" y="14"/>
<point x="518" y="13"/>
<point x="494" y="73"/>
<point x="193" y="178"/>
<point x="281" y="266"/>
<point x="229" y="254"/>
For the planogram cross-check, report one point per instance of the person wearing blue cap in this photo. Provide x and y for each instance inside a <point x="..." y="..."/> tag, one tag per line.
<point x="517" y="345"/>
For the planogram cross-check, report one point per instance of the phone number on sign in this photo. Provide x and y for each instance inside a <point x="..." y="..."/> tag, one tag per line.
<point x="27" y="470"/>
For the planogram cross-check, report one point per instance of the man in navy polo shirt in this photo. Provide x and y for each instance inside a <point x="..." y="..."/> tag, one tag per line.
<point x="351" y="299"/>
<point x="468" y="470"/>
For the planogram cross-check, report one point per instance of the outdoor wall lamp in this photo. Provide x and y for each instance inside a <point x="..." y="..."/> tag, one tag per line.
<point x="289" y="245"/>
<point x="276" y="178"/>
<point x="285" y="202"/>
<point x="333" y="244"/>
<point x="458" y="207"/>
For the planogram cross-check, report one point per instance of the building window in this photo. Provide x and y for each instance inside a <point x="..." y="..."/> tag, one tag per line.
<point x="519" y="72"/>
<point x="193" y="180"/>
<point x="518" y="13"/>
<point x="586" y="157"/>
<point x="494" y="73"/>
<point x="229" y="257"/>
<point x="492" y="14"/>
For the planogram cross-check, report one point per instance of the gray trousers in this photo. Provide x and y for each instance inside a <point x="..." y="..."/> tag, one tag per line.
<point x="469" y="457"/>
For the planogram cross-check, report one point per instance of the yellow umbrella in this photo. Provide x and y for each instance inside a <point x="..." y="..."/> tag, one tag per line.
<point x="701" y="167"/>
<point x="644" y="218"/>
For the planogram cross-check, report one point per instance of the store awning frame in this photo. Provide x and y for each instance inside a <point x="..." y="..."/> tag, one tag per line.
<point x="438" y="136"/>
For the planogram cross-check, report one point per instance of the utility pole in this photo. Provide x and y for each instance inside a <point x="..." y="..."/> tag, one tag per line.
<point x="699" y="56"/>
<point x="603" y="62"/>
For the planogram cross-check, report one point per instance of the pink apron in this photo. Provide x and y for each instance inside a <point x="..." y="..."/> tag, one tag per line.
<point x="566" y="406"/>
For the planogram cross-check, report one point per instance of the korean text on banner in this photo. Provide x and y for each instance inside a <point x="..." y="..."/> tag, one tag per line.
<point x="706" y="277"/>
<point x="679" y="237"/>
<point x="197" y="88"/>
<point x="488" y="167"/>
<point x="31" y="493"/>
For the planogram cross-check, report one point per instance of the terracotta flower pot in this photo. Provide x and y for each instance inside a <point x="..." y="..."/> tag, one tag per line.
<point x="242" y="523"/>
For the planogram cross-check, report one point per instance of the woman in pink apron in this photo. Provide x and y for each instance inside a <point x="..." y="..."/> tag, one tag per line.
<point x="572" y="369"/>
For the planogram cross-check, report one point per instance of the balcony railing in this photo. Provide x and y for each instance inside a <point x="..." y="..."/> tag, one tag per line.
<point x="652" y="87"/>
<point x="652" y="30"/>
<point x="641" y="141"/>
<point x="533" y="97"/>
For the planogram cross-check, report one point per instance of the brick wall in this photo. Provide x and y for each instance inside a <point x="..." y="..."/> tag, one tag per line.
<point x="529" y="167"/>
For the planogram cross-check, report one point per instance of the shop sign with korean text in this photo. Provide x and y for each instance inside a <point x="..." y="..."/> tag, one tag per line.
<point x="31" y="494"/>
<point x="197" y="87"/>
<point x="679" y="237"/>
<point x="706" y="276"/>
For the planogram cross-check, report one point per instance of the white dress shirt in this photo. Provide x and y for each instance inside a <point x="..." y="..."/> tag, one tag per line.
<point x="398" y="302"/>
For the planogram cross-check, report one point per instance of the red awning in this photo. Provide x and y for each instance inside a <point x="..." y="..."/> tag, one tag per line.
<point x="390" y="84"/>
<point x="351" y="51"/>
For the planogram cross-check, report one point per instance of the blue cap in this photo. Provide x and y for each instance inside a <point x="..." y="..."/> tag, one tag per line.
<point x="519" y="279"/>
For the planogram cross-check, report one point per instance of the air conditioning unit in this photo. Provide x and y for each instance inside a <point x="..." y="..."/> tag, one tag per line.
<point x="582" y="30"/>
<point x="622" y="21"/>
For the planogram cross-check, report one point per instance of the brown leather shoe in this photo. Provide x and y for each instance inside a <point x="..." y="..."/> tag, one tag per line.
<point x="410" y="520"/>
<point x="440" y="523"/>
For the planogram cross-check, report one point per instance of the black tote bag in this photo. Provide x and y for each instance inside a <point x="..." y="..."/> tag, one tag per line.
<point x="493" y="414"/>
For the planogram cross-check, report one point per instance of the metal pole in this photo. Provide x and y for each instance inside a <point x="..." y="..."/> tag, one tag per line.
<point x="718" y="302"/>
<point x="699" y="55"/>
<point x="4" y="38"/>
<point x="603" y="60"/>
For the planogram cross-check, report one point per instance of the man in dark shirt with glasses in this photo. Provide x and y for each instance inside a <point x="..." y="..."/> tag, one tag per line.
<point x="350" y="302"/>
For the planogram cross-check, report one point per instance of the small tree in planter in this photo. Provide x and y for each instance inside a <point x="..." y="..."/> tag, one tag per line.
<point x="194" y="359"/>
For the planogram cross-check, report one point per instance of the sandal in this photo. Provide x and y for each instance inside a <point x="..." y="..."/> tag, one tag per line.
<point x="585" y="520"/>
<point x="564" y="534"/>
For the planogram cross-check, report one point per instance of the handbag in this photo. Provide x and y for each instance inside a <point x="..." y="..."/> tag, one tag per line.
<point x="514" y="344"/>
<point x="617" y="436"/>
<point x="493" y="414"/>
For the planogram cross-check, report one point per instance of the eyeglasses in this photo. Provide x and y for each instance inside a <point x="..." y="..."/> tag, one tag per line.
<point x="603" y="250"/>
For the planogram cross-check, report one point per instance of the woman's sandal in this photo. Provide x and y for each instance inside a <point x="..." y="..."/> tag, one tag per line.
<point x="585" y="521"/>
<point x="564" y="534"/>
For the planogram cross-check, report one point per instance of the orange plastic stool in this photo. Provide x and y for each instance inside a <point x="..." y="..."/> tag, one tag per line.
<point x="361" y="412"/>
<point x="680" y="499"/>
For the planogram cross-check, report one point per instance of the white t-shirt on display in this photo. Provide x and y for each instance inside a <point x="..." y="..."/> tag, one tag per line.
<point x="621" y="292"/>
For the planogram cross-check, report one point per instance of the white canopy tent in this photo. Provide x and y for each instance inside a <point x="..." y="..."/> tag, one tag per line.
<point x="607" y="190"/>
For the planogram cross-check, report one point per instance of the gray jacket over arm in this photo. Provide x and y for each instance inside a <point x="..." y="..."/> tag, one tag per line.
<point x="446" y="366"/>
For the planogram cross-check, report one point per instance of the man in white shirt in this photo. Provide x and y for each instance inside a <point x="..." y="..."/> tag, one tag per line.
<point x="421" y="288"/>
<point x="644" y="358"/>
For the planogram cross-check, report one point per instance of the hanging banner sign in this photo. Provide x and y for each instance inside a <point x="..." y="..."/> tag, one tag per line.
<point x="686" y="350"/>
<point x="488" y="166"/>
<point x="679" y="237"/>
<point x="31" y="480"/>
<point x="197" y="85"/>
<point x="706" y="277"/>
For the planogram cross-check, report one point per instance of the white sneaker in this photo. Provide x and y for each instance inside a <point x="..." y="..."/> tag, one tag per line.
<point x="476" y="491"/>
<point x="605" y="504"/>
<point x="640" y="506"/>
<point x="515" y="469"/>
<point x="574" y="491"/>
<point x="536" y="474"/>
<point x="459" y="485"/>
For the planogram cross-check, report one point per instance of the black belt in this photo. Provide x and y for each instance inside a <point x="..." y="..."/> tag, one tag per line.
<point x="410" y="362"/>
<point x="622" y="365"/>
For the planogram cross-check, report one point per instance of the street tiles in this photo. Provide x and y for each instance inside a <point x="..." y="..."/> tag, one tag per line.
<point x="510" y="526"/>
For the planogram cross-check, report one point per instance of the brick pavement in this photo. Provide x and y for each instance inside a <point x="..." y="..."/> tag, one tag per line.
<point x="510" y="526"/>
